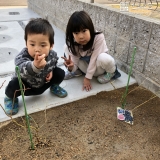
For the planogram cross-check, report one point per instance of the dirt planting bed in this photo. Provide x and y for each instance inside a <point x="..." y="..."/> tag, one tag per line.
<point x="88" y="129"/>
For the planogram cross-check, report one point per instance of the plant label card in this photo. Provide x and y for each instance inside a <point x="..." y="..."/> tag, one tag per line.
<point x="125" y="115"/>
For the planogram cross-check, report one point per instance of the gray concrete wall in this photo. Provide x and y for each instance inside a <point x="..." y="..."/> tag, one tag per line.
<point x="13" y="2"/>
<point x="123" y="32"/>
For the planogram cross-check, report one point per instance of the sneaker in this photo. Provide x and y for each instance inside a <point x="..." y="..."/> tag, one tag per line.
<point x="58" y="91"/>
<point x="11" y="107"/>
<point x="116" y="74"/>
<point x="106" y="77"/>
<point x="69" y="75"/>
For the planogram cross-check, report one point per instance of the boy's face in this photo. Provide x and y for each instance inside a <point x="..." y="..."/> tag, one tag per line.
<point x="38" y="43"/>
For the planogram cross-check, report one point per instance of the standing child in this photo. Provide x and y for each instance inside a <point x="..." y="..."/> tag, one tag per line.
<point x="37" y="64"/>
<point x="87" y="52"/>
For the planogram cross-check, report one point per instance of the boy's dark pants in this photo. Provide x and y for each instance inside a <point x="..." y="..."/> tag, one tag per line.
<point x="13" y="86"/>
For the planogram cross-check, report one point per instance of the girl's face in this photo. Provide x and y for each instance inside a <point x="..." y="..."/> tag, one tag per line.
<point x="82" y="37"/>
<point x="38" y="43"/>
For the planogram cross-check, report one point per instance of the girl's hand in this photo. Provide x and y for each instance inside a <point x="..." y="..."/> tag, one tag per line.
<point x="87" y="84"/>
<point x="39" y="61"/>
<point x="68" y="63"/>
<point x="49" y="76"/>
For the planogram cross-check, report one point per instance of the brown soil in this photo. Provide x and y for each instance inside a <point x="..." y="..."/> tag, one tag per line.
<point x="88" y="129"/>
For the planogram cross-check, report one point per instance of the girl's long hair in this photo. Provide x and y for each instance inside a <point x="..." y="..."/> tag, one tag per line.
<point x="78" y="21"/>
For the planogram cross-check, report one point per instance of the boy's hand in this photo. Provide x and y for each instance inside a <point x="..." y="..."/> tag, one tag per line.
<point x="49" y="76"/>
<point x="68" y="63"/>
<point x="87" y="84"/>
<point x="39" y="61"/>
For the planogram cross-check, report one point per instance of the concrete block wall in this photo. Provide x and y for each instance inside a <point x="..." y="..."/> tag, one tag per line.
<point x="123" y="31"/>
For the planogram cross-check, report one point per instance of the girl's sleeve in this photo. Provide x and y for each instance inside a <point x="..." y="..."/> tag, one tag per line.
<point x="75" y="59"/>
<point x="99" y="47"/>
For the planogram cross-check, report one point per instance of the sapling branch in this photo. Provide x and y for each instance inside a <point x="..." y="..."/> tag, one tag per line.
<point x="26" y="115"/>
<point x="2" y="84"/>
<point x="130" y="71"/>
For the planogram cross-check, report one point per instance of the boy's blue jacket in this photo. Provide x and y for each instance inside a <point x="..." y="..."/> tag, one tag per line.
<point x="29" y="73"/>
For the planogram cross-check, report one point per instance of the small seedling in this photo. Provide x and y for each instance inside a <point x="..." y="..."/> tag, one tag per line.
<point x="123" y="114"/>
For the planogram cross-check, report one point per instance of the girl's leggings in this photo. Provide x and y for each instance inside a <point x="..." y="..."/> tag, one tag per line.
<point x="104" y="63"/>
<point x="13" y="88"/>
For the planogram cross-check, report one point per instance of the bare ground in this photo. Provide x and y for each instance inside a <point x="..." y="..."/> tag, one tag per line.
<point x="88" y="129"/>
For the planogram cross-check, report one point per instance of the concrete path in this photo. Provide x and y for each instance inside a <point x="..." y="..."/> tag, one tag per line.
<point x="12" y="42"/>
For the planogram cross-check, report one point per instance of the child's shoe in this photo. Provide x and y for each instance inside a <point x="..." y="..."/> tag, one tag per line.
<point x="69" y="75"/>
<point x="58" y="91"/>
<point x="11" y="107"/>
<point x="106" y="77"/>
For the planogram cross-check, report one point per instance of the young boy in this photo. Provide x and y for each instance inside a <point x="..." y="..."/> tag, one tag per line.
<point x="37" y="64"/>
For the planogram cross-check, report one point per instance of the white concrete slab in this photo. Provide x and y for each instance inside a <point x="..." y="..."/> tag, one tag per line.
<point x="15" y="31"/>
<point x="59" y="43"/>
<point x="48" y="100"/>
<point x="24" y="14"/>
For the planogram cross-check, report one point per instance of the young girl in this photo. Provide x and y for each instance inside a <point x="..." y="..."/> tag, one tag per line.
<point x="87" y="51"/>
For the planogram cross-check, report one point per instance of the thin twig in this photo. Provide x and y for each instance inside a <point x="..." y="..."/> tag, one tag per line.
<point x="11" y="117"/>
<point x="139" y="86"/>
<point x="15" y="95"/>
<point x="2" y="84"/>
<point x="34" y="121"/>
<point x="14" y="120"/>
<point x="143" y="103"/>
<point x="136" y="88"/>
<point x="111" y="82"/>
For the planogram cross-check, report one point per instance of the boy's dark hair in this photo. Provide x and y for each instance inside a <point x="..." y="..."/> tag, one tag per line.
<point x="78" y="21"/>
<point x="39" y="26"/>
